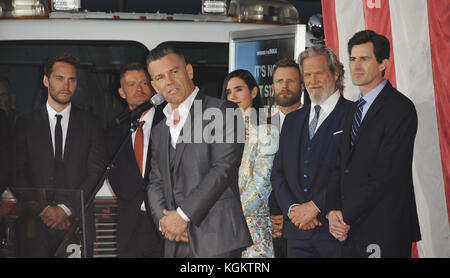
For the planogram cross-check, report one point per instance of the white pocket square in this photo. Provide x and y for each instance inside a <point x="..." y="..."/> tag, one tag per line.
<point x="337" y="132"/>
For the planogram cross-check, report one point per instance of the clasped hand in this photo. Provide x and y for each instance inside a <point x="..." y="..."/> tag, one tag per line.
<point x="55" y="218"/>
<point x="173" y="226"/>
<point x="338" y="228"/>
<point x="304" y="216"/>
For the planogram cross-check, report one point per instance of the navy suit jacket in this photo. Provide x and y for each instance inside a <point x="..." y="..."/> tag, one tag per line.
<point x="372" y="182"/>
<point x="286" y="167"/>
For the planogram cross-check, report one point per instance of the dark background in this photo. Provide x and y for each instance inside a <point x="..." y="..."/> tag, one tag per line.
<point x="305" y="8"/>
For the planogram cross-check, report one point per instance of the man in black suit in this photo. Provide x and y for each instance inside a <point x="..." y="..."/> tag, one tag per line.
<point x="57" y="147"/>
<point x="137" y="235"/>
<point x="371" y="195"/>
<point x="5" y="151"/>
<point x="308" y="145"/>
<point x="193" y="190"/>
<point x="287" y="91"/>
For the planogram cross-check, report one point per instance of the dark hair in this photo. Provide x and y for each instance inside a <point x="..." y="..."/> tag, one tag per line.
<point x="287" y="63"/>
<point x="66" y="58"/>
<point x="249" y="80"/>
<point x="381" y="45"/>
<point x="162" y="50"/>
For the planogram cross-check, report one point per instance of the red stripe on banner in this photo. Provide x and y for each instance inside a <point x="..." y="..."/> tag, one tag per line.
<point x="330" y="25"/>
<point x="377" y="17"/>
<point x="439" y="25"/>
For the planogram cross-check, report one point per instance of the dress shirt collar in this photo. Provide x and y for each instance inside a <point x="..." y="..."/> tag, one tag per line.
<point x="372" y="95"/>
<point x="183" y="109"/>
<point x="52" y="113"/>
<point x="328" y="105"/>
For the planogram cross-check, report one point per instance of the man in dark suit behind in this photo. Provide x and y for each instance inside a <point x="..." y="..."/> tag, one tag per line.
<point x="308" y="146"/>
<point x="57" y="147"/>
<point x="287" y="91"/>
<point x="137" y="235"/>
<point x="193" y="190"/>
<point x="371" y="196"/>
<point x="5" y="151"/>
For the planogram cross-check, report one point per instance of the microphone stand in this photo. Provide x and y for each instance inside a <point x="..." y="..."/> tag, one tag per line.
<point x="75" y="228"/>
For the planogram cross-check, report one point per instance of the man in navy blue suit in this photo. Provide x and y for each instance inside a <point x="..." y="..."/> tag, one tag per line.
<point x="308" y="147"/>
<point x="371" y="200"/>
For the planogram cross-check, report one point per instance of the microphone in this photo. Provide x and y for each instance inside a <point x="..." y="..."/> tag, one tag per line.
<point x="137" y="112"/>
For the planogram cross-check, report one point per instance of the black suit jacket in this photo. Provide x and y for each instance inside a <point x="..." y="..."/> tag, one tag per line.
<point x="204" y="182"/>
<point x="372" y="182"/>
<point x="129" y="187"/>
<point x="285" y="174"/>
<point x="84" y="159"/>
<point x="5" y="151"/>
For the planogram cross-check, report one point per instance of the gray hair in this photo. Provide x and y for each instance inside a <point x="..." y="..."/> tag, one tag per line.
<point x="333" y="63"/>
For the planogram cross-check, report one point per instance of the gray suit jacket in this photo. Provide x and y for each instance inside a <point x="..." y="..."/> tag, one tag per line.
<point x="204" y="182"/>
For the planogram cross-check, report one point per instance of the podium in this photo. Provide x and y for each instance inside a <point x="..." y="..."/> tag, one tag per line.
<point x="23" y="233"/>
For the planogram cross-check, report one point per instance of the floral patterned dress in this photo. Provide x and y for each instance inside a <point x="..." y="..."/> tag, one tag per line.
<point x="255" y="188"/>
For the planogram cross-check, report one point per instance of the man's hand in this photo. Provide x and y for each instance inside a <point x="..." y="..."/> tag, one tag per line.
<point x="173" y="226"/>
<point x="338" y="228"/>
<point x="303" y="214"/>
<point x="311" y="225"/>
<point x="277" y="223"/>
<point x="55" y="218"/>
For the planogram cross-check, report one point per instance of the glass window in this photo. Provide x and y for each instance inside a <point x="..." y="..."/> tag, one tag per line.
<point x="22" y="63"/>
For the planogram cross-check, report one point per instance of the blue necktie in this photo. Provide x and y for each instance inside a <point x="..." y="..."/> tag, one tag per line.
<point x="357" y="119"/>
<point x="313" y="125"/>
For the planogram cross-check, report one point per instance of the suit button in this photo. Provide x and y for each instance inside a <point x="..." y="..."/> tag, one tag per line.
<point x="342" y="198"/>
<point x="346" y="171"/>
<point x="306" y="161"/>
<point x="308" y="149"/>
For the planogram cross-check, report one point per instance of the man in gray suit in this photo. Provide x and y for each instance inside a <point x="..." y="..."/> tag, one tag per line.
<point x="193" y="190"/>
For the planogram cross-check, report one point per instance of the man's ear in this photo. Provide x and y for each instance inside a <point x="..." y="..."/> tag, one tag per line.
<point x="45" y="81"/>
<point x="122" y="93"/>
<point x="190" y="71"/>
<point x="384" y="64"/>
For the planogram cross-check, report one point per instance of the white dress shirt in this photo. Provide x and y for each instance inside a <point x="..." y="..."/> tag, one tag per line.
<point x="183" y="110"/>
<point x="325" y="109"/>
<point x="146" y="129"/>
<point x="64" y="125"/>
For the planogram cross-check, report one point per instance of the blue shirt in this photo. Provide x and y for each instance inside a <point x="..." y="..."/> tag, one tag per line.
<point x="371" y="96"/>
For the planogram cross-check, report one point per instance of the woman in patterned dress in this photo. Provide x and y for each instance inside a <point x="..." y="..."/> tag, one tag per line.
<point x="261" y="144"/>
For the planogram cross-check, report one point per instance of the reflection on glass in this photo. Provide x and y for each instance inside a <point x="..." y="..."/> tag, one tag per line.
<point x="264" y="11"/>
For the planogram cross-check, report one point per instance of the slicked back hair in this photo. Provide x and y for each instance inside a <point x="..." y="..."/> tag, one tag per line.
<point x="381" y="45"/>
<point x="333" y="63"/>
<point x="66" y="58"/>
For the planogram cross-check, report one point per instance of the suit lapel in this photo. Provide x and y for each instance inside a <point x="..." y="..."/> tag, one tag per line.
<point x="44" y="132"/>
<point x="189" y="127"/>
<point x="73" y="128"/>
<point x="374" y="109"/>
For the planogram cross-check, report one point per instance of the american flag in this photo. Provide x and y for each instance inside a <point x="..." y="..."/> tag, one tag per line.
<point x="419" y="32"/>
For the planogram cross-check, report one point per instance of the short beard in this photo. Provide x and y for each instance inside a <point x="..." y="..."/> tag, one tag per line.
<point x="290" y="101"/>
<point x="60" y="101"/>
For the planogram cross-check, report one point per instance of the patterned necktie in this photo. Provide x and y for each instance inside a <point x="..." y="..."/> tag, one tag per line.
<point x="356" y="123"/>
<point x="58" y="139"/>
<point x="139" y="145"/>
<point x="313" y="124"/>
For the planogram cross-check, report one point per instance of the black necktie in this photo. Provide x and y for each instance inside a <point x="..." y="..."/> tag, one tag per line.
<point x="58" y="139"/>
